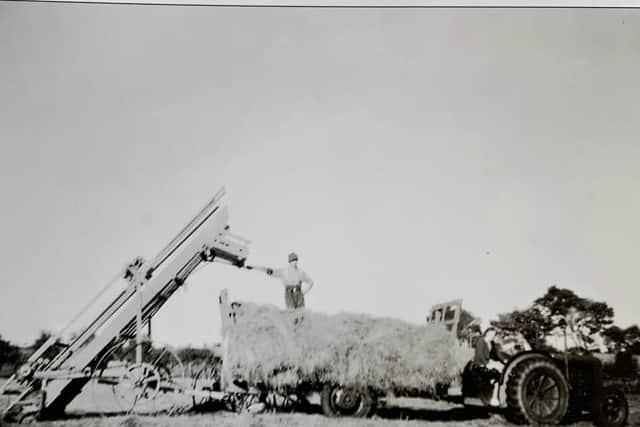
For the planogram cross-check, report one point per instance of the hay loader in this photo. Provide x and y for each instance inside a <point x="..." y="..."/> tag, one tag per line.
<point x="110" y="349"/>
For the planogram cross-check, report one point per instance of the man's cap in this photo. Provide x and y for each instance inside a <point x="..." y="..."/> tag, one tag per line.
<point x="293" y="257"/>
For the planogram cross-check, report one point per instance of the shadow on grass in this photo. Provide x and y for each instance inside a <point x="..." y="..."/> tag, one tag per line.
<point x="457" y="413"/>
<point x="90" y="414"/>
<point x="453" y="414"/>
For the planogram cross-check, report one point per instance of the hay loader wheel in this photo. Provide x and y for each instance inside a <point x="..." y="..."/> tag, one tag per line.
<point x="613" y="410"/>
<point x="138" y="383"/>
<point x="338" y="401"/>
<point x="145" y="387"/>
<point x="537" y="393"/>
<point x="30" y="418"/>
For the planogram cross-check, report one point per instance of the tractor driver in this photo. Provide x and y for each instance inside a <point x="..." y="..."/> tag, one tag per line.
<point x="571" y="324"/>
<point x="487" y="364"/>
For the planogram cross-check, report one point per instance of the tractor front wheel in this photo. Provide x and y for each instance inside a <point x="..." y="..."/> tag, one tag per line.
<point x="347" y="401"/>
<point x="613" y="408"/>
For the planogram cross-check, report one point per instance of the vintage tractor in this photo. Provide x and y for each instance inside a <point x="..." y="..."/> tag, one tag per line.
<point x="543" y="387"/>
<point x="550" y="388"/>
<point x="534" y="387"/>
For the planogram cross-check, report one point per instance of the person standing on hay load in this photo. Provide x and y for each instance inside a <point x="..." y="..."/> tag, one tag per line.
<point x="292" y="277"/>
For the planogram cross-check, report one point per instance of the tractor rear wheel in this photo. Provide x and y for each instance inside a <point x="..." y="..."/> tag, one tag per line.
<point x="346" y="401"/>
<point x="537" y="393"/>
<point x="613" y="408"/>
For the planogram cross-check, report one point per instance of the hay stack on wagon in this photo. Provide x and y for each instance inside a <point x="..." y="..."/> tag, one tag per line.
<point x="266" y="348"/>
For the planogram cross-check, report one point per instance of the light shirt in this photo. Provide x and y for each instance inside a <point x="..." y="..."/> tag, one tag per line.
<point x="574" y="340"/>
<point x="573" y="330"/>
<point x="292" y="276"/>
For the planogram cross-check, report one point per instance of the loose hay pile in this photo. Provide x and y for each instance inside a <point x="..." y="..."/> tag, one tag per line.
<point x="267" y="348"/>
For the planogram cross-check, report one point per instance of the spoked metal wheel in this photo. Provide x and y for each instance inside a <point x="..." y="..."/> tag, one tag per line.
<point x="347" y="401"/>
<point x="614" y="408"/>
<point x="136" y="384"/>
<point x="120" y="383"/>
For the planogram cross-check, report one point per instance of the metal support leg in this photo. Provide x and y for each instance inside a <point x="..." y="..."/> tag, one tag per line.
<point x="139" y="325"/>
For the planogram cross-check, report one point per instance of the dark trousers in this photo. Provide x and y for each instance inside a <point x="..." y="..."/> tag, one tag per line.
<point x="293" y="297"/>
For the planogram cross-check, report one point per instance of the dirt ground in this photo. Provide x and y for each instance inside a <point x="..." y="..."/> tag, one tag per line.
<point x="404" y="418"/>
<point x="400" y="413"/>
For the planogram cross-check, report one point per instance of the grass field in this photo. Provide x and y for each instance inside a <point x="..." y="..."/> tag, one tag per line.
<point x="416" y="414"/>
<point x="400" y="413"/>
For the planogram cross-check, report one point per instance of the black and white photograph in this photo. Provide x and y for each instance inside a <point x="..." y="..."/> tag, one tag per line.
<point x="320" y="213"/>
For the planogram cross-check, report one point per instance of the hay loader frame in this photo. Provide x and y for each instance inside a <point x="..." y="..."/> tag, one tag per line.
<point x="57" y="372"/>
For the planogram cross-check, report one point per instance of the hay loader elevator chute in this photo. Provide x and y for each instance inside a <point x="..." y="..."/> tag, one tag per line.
<point x="46" y="384"/>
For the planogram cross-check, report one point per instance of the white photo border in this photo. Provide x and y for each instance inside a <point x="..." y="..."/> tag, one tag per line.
<point x="391" y="4"/>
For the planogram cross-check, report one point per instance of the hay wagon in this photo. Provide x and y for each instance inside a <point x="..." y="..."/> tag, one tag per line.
<point x="535" y="387"/>
<point x="278" y="385"/>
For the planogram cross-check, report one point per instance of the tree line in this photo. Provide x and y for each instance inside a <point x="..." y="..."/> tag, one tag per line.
<point x="547" y="314"/>
<point x="536" y="322"/>
<point x="12" y="356"/>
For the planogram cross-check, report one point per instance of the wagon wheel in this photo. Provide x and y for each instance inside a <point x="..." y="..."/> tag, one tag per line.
<point x="137" y="387"/>
<point x="206" y="379"/>
<point x="347" y="401"/>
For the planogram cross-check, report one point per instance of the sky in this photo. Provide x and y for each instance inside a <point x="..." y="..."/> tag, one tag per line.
<point x="409" y="157"/>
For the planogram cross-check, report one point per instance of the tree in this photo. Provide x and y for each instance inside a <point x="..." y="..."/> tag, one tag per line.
<point x="466" y="320"/>
<point x="632" y="334"/>
<point x="9" y="353"/>
<point x="196" y="355"/>
<point x="42" y="338"/>
<point x="51" y="352"/>
<point x="628" y="337"/>
<point x="468" y="328"/>
<point x="614" y="335"/>
<point x="548" y="312"/>
<point x="595" y="316"/>
<point x="531" y="323"/>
